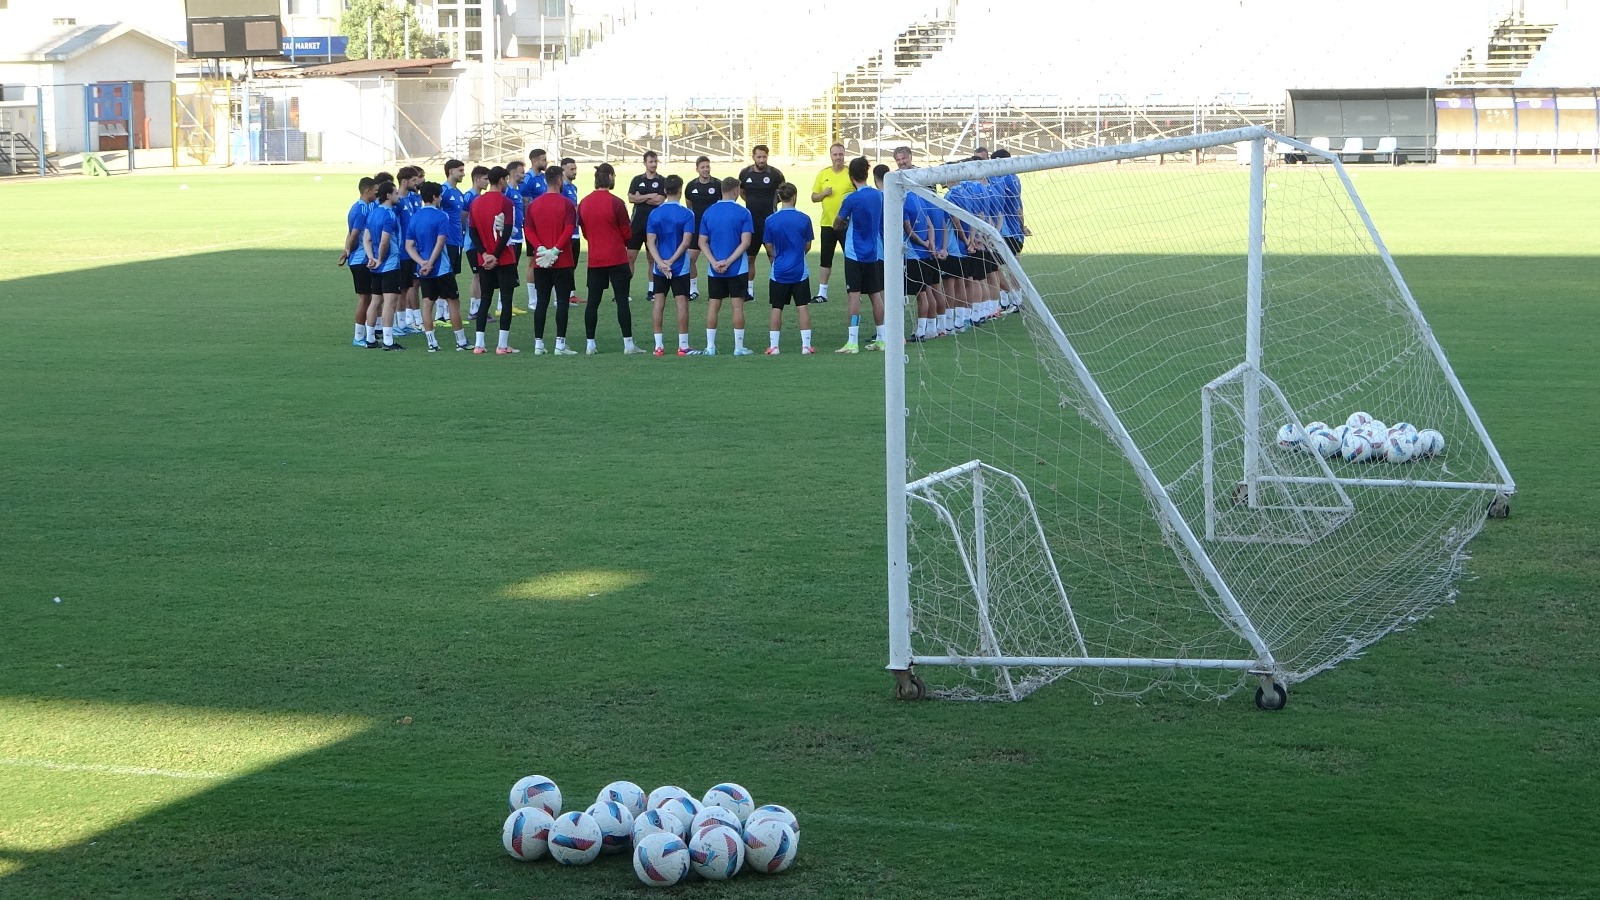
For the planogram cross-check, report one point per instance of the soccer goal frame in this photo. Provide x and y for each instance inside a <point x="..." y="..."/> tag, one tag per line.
<point x="1257" y="481"/>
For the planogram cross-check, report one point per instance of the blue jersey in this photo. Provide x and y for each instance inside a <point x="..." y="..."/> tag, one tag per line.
<point x="452" y="203"/>
<point x="533" y="187"/>
<point x="356" y="220"/>
<point x="519" y="205"/>
<point x="939" y="222"/>
<point x="404" y="208"/>
<point x="724" y="224"/>
<point x="381" y="221"/>
<point x="1009" y="190"/>
<point x="969" y="196"/>
<point x="669" y="222"/>
<point x="789" y="231"/>
<point x="916" y="216"/>
<point x="466" y="204"/>
<point x="570" y="191"/>
<point x="862" y="211"/>
<point x="427" y="224"/>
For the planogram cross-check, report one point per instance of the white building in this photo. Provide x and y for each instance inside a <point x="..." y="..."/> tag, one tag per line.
<point x="65" y="60"/>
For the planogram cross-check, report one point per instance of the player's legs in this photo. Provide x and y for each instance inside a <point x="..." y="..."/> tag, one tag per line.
<point x="658" y="308"/>
<point x="562" y="293"/>
<point x="544" y="284"/>
<point x="683" y="322"/>
<point x="576" y="247"/>
<point x="830" y="243"/>
<point x="594" y="289"/>
<point x="621" y="283"/>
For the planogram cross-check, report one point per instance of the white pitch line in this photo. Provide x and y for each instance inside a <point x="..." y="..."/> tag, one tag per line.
<point x="143" y="771"/>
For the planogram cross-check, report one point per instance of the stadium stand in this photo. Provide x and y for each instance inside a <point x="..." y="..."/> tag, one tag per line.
<point x="1570" y="57"/>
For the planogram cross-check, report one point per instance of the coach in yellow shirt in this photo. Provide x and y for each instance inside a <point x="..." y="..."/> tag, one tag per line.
<point x="829" y="189"/>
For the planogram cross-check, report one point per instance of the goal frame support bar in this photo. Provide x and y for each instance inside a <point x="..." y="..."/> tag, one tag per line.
<point x="1100" y="662"/>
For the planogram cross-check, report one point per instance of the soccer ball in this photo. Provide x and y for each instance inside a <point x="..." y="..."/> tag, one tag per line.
<point x="1313" y="426"/>
<point x="616" y="825"/>
<point x="536" y="790"/>
<point x="685" y="808"/>
<point x="770" y="846"/>
<point x="711" y="817"/>
<point x="525" y="833"/>
<point x="1400" y="447"/>
<point x="657" y="821"/>
<point x="662" y="794"/>
<point x="1291" y="438"/>
<point x="1323" y="442"/>
<point x="575" y="839"/>
<point x="774" y="811"/>
<point x="717" y="853"/>
<point x="1357" y="419"/>
<point x="1360" y="445"/>
<point x="630" y="795"/>
<point x="1404" y="426"/>
<point x="731" y="797"/>
<point x="1434" y="441"/>
<point x="661" y="860"/>
<point x="1377" y="427"/>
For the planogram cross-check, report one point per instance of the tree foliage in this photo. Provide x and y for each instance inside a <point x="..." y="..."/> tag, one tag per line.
<point x="389" y="22"/>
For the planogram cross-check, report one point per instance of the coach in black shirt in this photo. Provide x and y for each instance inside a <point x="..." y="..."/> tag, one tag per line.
<point x="758" y="185"/>
<point x="645" y="192"/>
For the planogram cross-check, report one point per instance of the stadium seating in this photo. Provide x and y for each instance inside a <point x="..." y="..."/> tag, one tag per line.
<point x="1252" y="51"/>
<point x="1569" y="58"/>
<point x="710" y="58"/>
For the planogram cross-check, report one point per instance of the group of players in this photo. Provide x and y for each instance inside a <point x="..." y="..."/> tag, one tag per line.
<point x="408" y="239"/>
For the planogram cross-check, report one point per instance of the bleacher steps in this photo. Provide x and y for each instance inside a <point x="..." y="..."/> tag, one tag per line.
<point x="1511" y="47"/>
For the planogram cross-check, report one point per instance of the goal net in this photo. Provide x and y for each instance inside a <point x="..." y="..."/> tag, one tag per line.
<point x="1090" y="485"/>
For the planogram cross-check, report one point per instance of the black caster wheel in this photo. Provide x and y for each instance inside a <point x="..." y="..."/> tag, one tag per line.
<point x="1276" y="700"/>
<point x="1500" y="507"/>
<point x="908" y="686"/>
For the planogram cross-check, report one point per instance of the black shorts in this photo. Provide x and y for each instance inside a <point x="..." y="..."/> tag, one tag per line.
<point x="386" y="282"/>
<point x="362" y="276"/>
<point x="950" y="266"/>
<point x="670" y="286"/>
<point x="863" y="278"/>
<point x="722" y="288"/>
<point x="830" y="240"/>
<point x="618" y="277"/>
<point x="408" y="273"/>
<point x="971" y="268"/>
<point x="442" y="287"/>
<point x="759" y="221"/>
<point x="987" y="260"/>
<point x="1015" y="243"/>
<point x="636" y="239"/>
<point x="781" y="294"/>
<point x="577" y="246"/>
<point x="454" y="255"/>
<point x="920" y="273"/>
<point x="559" y="281"/>
<point x="502" y="277"/>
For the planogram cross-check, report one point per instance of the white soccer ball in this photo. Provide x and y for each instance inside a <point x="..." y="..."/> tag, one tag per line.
<point x="1358" y="419"/>
<point x="616" y="825"/>
<point x="574" y="839"/>
<point x="1377" y="427"/>
<point x="774" y="811"/>
<point x="685" y="808"/>
<point x="1434" y="441"/>
<point x="1323" y="442"/>
<point x="661" y="860"/>
<point x="630" y="795"/>
<point x="712" y="816"/>
<point x="536" y="790"/>
<point x="1404" y="426"/>
<point x="1400" y="447"/>
<point x="717" y="853"/>
<point x="658" y="821"/>
<point x="770" y="846"/>
<point x="1360" y="445"/>
<point x="525" y="833"/>
<point x="664" y="793"/>
<point x="1291" y="438"/>
<point x="1313" y="426"/>
<point x="731" y="797"/>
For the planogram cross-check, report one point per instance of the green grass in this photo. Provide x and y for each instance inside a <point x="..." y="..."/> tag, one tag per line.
<point x="270" y="547"/>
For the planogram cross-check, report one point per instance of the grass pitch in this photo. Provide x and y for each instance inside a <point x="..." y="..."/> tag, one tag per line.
<point x="269" y="548"/>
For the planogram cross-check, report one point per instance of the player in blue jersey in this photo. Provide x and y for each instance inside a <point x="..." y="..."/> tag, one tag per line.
<point x="862" y="214"/>
<point x="788" y="236"/>
<point x="922" y="270"/>
<point x="516" y="184"/>
<point x="669" y="232"/>
<point x="427" y="245"/>
<point x="970" y="287"/>
<point x="569" y="190"/>
<point x="480" y="183"/>
<point x="534" y="185"/>
<point x="355" y="222"/>
<point x="453" y="204"/>
<point x="381" y="244"/>
<point x="1013" y="225"/>
<point x="404" y="206"/>
<point x="726" y="230"/>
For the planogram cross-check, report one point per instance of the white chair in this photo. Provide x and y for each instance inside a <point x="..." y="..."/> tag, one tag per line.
<point x="1390" y="147"/>
<point x="1567" y="140"/>
<point x="1450" y="140"/>
<point x="1321" y="143"/>
<point x="1353" y="146"/>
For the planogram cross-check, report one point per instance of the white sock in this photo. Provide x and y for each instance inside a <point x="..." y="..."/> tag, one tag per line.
<point x="805" y="337"/>
<point x="923" y="326"/>
<point x="479" y="343"/>
<point x="772" y="339"/>
<point x="627" y="343"/>
<point x="947" y="320"/>
<point x="474" y="310"/>
<point x="683" y="340"/>
<point x="505" y="339"/>
<point x="461" y="337"/>
<point x="361" y="332"/>
<point x="440" y="309"/>
<point x="589" y="344"/>
<point x="711" y="338"/>
<point x="822" y="291"/>
<point x="561" y="343"/>
<point x="660" y="344"/>
<point x="738" y="339"/>
<point x="538" y="343"/>
<point x="855" y="334"/>
<point x="432" y="341"/>
<point x="388" y="336"/>
<point x="877" y="335"/>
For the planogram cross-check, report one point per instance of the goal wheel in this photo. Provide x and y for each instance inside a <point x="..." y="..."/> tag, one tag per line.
<point x="909" y="686"/>
<point x="1500" y="507"/>
<point x="1241" y="494"/>
<point x="1276" y="700"/>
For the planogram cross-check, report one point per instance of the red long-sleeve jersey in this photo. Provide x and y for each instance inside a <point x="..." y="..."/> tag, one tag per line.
<point x="606" y="227"/>
<point x="550" y="222"/>
<point x="492" y="215"/>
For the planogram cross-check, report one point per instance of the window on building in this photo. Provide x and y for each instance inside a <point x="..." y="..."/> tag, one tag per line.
<point x="449" y="18"/>
<point x="474" y="18"/>
<point x="63" y="21"/>
<point x="475" y="42"/>
<point x="553" y="9"/>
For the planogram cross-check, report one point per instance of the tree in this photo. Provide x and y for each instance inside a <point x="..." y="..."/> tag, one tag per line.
<point x="389" y="25"/>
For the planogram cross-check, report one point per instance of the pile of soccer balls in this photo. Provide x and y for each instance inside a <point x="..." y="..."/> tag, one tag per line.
<point x="667" y="832"/>
<point x="1362" y="439"/>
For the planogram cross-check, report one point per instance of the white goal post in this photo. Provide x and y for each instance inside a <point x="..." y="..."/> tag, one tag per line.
<point x="1090" y="488"/>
